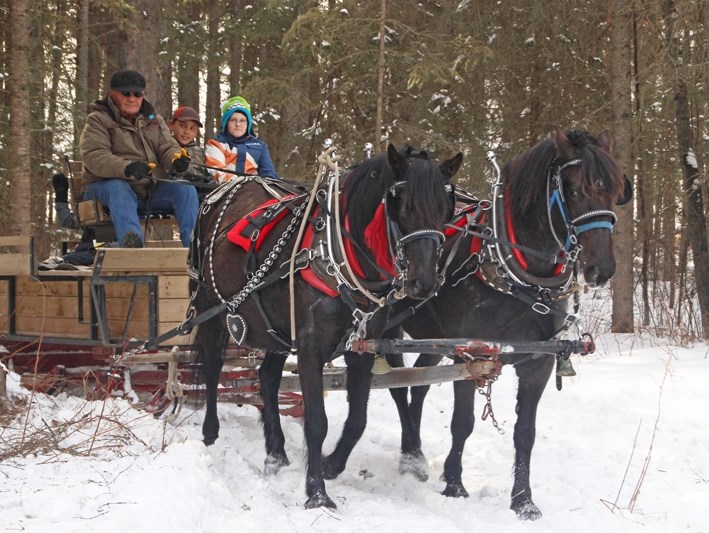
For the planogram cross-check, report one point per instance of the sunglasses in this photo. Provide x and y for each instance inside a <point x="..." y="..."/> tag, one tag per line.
<point x="128" y="94"/>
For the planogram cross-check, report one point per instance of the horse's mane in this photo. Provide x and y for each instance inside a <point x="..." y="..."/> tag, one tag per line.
<point x="367" y="181"/>
<point x="526" y="175"/>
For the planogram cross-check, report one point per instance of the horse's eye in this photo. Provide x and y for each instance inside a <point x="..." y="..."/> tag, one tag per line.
<point x="574" y="194"/>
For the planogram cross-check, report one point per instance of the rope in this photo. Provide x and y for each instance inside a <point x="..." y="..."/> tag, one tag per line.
<point x="298" y="239"/>
<point x="174" y="390"/>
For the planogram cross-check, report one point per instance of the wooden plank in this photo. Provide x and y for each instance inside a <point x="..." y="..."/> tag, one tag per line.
<point x="142" y="260"/>
<point x="51" y="306"/>
<point x="172" y="310"/>
<point x="68" y="274"/>
<point x="15" y="264"/>
<point x="174" y="286"/>
<point x="27" y="286"/>
<point x="52" y="327"/>
<point x="163" y="244"/>
<point x="14" y="240"/>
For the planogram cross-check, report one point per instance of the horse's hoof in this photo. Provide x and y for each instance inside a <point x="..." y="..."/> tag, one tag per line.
<point x="414" y="464"/>
<point x="273" y="464"/>
<point x="329" y="469"/>
<point x="208" y="441"/>
<point x="455" y="490"/>
<point x="320" y="499"/>
<point x="526" y="510"/>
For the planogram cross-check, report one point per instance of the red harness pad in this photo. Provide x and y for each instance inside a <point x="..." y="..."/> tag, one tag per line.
<point x="375" y="235"/>
<point x="307" y="272"/>
<point x="242" y="232"/>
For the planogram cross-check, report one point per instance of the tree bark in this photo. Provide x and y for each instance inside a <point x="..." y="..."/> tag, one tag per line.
<point x="4" y="400"/>
<point x="691" y="182"/>
<point x="213" y="111"/>
<point x="19" y="104"/>
<point x="380" y="78"/>
<point x="622" y="320"/>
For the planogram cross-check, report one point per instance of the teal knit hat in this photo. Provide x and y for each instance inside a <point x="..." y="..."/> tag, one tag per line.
<point x="231" y="106"/>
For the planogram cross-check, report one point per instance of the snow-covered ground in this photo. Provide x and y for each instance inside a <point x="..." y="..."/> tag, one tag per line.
<point x="623" y="447"/>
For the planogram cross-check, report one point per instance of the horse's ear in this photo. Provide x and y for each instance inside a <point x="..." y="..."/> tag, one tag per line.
<point x="396" y="161"/>
<point x="627" y="192"/>
<point x="451" y="166"/>
<point x="563" y="146"/>
<point x="604" y="140"/>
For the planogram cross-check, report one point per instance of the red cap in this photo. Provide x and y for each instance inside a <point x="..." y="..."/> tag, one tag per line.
<point x="186" y="113"/>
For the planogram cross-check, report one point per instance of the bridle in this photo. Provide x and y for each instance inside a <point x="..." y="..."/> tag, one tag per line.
<point x="574" y="228"/>
<point x="397" y="240"/>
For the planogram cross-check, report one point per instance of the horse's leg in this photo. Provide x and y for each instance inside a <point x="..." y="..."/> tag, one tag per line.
<point x="412" y="460"/>
<point x="270" y="373"/>
<point x="462" y="424"/>
<point x="359" y="380"/>
<point x="310" y="369"/>
<point x="210" y="343"/>
<point x="533" y="377"/>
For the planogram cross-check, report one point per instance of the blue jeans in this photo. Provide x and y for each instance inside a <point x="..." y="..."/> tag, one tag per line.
<point x="124" y="205"/>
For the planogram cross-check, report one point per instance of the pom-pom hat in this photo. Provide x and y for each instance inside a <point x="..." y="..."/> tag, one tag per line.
<point x="233" y="105"/>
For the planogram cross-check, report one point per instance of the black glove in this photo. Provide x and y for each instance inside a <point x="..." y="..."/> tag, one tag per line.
<point x="61" y="188"/>
<point x="181" y="161"/>
<point x="137" y="169"/>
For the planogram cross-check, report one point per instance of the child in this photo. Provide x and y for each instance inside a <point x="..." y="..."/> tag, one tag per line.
<point x="184" y="126"/>
<point x="236" y="148"/>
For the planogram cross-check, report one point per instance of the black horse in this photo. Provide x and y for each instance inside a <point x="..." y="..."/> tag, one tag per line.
<point x="555" y="202"/>
<point x="401" y="199"/>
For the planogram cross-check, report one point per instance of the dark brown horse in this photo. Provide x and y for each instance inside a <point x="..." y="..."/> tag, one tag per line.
<point x="405" y="193"/>
<point x="555" y="201"/>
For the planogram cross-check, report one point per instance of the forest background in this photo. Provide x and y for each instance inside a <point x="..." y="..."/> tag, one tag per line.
<point x="465" y="75"/>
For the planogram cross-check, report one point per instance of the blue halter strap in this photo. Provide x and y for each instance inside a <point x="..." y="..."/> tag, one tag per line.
<point x="573" y="229"/>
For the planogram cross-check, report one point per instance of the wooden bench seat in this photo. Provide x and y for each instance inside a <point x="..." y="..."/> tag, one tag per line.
<point x="92" y="213"/>
<point x="158" y="261"/>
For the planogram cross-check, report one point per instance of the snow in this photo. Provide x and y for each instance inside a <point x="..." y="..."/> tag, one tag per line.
<point x="691" y="159"/>
<point x="623" y="447"/>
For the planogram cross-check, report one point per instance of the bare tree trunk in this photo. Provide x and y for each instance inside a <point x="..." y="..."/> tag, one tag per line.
<point x="235" y="51"/>
<point x="641" y="190"/>
<point x="4" y="400"/>
<point x="213" y="111"/>
<point x="380" y="78"/>
<point x="19" y="104"/>
<point x="142" y="50"/>
<point x="622" y="320"/>
<point x="189" y="60"/>
<point x="691" y="183"/>
<point x="82" y="68"/>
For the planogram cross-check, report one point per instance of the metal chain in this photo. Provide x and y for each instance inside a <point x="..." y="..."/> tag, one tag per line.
<point x="487" y="410"/>
<point x="236" y="300"/>
<point x="214" y="238"/>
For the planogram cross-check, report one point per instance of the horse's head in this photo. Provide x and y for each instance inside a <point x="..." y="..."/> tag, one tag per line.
<point x="589" y="183"/>
<point x="419" y="203"/>
<point x="396" y="206"/>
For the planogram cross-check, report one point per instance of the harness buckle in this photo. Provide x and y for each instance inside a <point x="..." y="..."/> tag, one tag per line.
<point x="541" y="308"/>
<point x="360" y="319"/>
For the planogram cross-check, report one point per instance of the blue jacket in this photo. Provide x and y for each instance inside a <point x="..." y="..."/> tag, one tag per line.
<point x="245" y="155"/>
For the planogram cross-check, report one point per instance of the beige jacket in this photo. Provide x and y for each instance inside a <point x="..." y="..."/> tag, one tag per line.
<point x="109" y="142"/>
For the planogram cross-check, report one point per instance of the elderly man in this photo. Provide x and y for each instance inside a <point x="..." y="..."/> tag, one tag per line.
<point x="125" y="147"/>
